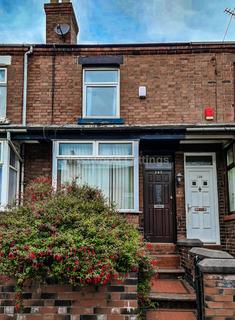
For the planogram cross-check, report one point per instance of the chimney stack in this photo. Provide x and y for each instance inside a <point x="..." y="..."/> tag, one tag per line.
<point x="61" y="22"/>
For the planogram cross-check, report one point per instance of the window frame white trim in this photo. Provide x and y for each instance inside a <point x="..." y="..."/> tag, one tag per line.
<point x="5" y="163"/>
<point x="134" y="157"/>
<point x="100" y="84"/>
<point x="4" y="83"/>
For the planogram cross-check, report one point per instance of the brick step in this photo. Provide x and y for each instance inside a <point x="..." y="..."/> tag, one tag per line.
<point x="166" y="314"/>
<point x="160" y="248"/>
<point x="168" y="273"/>
<point x="172" y="293"/>
<point x="170" y="261"/>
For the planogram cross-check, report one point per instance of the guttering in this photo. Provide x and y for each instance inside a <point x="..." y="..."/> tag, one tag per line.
<point x="26" y="55"/>
<point x="211" y="129"/>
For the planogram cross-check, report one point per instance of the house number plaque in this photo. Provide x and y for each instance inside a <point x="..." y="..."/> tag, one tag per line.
<point x="159" y="206"/>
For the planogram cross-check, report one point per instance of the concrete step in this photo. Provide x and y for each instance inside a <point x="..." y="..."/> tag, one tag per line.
<point x="160" y="248"/>
<point x="166" y="314"/>
<point x="170" y="261"/>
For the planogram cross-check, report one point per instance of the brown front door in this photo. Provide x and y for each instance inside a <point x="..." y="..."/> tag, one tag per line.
<point x="158" y="216"/>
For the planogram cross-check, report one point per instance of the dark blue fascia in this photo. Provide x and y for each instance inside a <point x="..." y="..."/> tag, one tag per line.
<point x="100" y="121"/>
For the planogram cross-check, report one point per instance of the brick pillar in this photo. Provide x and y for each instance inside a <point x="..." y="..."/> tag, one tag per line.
<point x="219" y="288"/>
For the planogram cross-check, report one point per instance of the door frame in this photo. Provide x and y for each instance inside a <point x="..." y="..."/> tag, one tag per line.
<point x="215" y="191"/>
<point x="172" y="169"/>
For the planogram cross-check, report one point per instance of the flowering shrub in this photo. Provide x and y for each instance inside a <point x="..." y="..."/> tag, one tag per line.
<point x="71" y="236"/>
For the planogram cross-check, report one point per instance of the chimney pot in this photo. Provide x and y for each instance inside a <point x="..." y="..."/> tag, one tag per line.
<point x="65" y="1"/>
<point x="54" y="1"/>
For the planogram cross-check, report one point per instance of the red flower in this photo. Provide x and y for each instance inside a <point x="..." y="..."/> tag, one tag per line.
<point x="11" y="256"/>
<point x="32" y="255"/>
<point x="26" y="247"/>
<point x="17" y="307"/>
<point x="154" y="263"/>
<point x="149" y="246"/>
<point x="58" y="257"/>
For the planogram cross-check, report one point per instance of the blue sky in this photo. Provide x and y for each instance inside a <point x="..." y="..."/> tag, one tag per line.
<point x="123" y="21"/>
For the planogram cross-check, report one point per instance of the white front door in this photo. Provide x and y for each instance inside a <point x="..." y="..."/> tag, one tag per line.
<point x="201" y="199"/>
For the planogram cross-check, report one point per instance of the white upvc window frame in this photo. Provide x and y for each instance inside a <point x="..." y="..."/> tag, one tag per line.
<point x="101" y="84"/>
<point x="5" y="163"/>
<point x="4" y="84"/>
<point x="95" y="155"/>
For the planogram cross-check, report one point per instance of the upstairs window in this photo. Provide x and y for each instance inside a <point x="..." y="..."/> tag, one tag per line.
<point x="3" y="92"/>
<point x="101" y="93"/>
<point x="231" y="178"/>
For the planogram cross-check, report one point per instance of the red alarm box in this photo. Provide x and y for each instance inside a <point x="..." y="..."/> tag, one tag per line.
<point x="209" y="113"/>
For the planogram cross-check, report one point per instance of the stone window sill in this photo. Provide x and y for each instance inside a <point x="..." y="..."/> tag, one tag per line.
<point x="100" y="121"/>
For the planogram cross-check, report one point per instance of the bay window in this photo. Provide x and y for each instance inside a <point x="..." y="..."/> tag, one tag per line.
<point x="110" y="166"/>
<point x="101" y="93"/>
<point x="231" y="177"/>
<point x="9" y="175"/>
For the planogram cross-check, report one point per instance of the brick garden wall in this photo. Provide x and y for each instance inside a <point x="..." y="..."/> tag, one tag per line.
<point x="117" y="301"/>
<point x="219" y="292"/>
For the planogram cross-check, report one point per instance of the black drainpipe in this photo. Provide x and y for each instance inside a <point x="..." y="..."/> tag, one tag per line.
<point x="199" y="289"/>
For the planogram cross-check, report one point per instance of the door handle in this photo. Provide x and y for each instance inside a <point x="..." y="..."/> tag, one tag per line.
<point x="188" y="207"/>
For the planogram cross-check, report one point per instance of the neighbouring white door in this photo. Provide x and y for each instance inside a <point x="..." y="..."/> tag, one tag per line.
<point x="201" y="199"/>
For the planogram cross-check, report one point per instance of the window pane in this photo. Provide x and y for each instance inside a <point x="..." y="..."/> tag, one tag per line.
<point x="199" y="160"/>
<point x="72" y="149"/>
<point x="2" y="75"/>
<point x="114" y="177"/>
<point x="109" y="149"/>
<point x="13" y="158"/>
<point x="230" y="156"/>
<point x="231" y="186"/>
<point x="3" y="97"/>
<point x="101" y="101"/>
<point x="12" y="186"/>
<point x="101" y="76"/>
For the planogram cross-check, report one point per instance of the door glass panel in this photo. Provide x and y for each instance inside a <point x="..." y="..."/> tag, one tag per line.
<point x="158" y="194"/>
<point x="199" y="160"/>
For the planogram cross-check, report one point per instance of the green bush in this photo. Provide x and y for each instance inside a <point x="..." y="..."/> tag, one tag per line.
<point x="71" y="236"/>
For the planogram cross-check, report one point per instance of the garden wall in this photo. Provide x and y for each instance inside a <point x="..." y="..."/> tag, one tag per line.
<point x="219" y="288"/>
<point x="116" y="301"/>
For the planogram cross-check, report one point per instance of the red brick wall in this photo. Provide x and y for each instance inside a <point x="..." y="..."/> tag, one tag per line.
<point x="14" y="86"/>
<point x="116" y="301"/>
<point x="179" y="86"/>
<point x="229" y="237"/>
<point x="219" y="291"/>
<point x="180" y="198"/>
<point x="38" y="161"/>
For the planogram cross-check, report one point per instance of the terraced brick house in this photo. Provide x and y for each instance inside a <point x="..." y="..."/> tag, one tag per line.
<point x="152" y="125"/>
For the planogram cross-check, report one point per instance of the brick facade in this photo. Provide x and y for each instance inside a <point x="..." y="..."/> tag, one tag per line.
<point x="179" y="86"/>
<point x="181" y="80"/>
<point x="116" y="301"/>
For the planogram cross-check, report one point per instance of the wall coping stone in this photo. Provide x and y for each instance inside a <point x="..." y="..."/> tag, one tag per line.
<point x="210" y="253"/>
<point x="221" y="266"/>
<point x="190" y="243"/>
